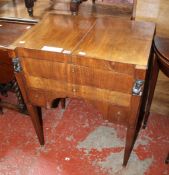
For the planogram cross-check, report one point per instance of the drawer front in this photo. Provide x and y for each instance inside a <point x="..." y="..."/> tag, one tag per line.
<point x="98" y="94"/>
<point x="100" y="78"/>
<point x="79" y="75"/>
<point x="73" y="90"/>
<point x="104" y="64"/>
<point x="45" y="69"/>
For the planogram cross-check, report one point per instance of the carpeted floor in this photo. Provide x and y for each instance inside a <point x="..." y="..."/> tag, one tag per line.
<point x="80" y="142"/>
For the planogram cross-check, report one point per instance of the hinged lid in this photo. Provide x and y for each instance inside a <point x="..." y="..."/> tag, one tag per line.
<point x="59" y="34"/>
<point x="118" y="40"/>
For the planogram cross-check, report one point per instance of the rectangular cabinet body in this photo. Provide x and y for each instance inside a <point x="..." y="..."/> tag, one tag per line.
<point x="101" y="60"/>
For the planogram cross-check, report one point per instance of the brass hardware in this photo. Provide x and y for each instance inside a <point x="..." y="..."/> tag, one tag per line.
<point x="16" y="65"/>
<point x="137" y="88"/>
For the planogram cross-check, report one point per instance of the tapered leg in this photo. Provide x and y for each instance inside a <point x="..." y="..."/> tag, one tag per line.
<point x="130" y="140"/>
<point x="132" y="131"/>
<point x="151" y="89"/>
<point x="37" y="122"/>
<point x="32" y="110"/>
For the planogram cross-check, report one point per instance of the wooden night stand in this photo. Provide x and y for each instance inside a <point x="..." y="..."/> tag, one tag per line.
<point x="102" y="60"/>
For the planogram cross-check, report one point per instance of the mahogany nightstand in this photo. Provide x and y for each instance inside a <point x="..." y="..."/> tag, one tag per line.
<point x="102" y="60"/>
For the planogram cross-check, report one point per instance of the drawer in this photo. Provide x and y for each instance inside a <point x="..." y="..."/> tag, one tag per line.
<point x="73" y="90"/>
<point x="45" y="69"/>
<point x="100" y="78"/>
<point x="79" y="75"/>
<point x="98" y="94"/>
<point x="104" y="64"/>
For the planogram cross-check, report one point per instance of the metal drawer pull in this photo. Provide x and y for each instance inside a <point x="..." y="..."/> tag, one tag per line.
<point x="137" y="88"/>
<point x="16" y="65"/>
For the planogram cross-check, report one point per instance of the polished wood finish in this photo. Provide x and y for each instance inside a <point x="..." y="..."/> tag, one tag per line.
<point x="162" y="48"/>
<point x="9" y="32"/>
<point x="86" y="57"/>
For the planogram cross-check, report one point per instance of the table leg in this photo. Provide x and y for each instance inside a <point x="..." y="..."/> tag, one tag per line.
<point x="132" y="131"/>
<point x="32" y="110"/>
<point x="151" y="88"/>
<point x="29" y="5"/>
<point x="130" y="140"/>
<point x="37" y="122"/>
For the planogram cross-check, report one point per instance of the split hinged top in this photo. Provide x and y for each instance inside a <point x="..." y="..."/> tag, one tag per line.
<point x="57" y="33"/>
<point x="106" y="38"/>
